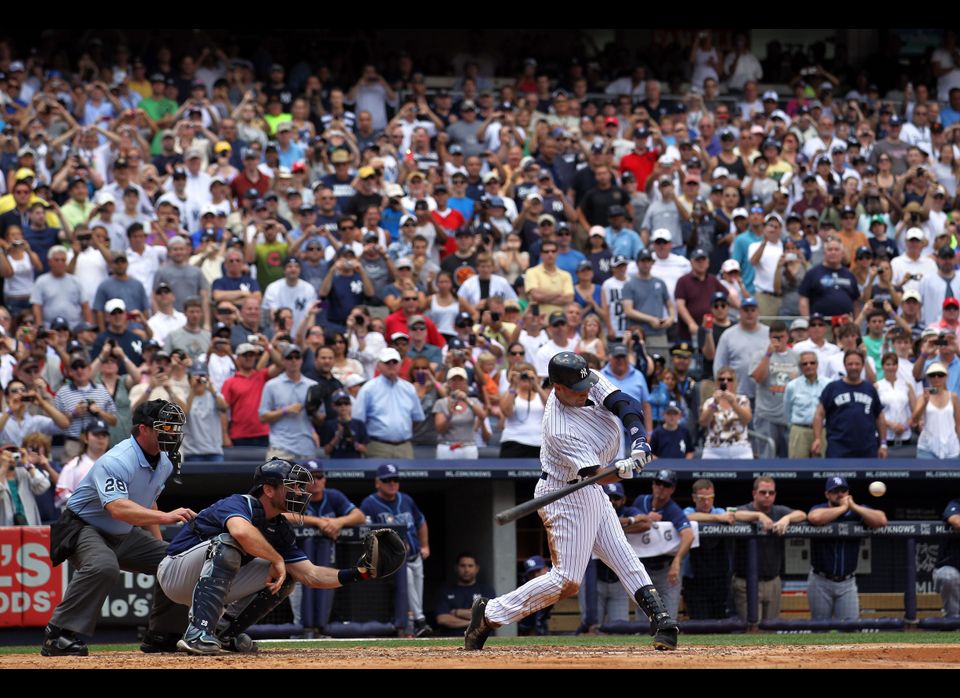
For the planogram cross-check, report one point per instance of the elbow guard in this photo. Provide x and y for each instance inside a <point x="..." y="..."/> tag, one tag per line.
<point x="629" y="410"/>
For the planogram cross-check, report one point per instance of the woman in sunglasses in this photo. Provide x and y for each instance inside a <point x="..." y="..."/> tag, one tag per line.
<point x="937" y="413"/>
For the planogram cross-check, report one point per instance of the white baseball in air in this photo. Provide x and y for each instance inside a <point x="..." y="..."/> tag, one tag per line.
<point x="877" y="488"/>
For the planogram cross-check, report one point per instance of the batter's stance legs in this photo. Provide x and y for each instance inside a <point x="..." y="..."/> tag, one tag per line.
<point x="663" y="628"/>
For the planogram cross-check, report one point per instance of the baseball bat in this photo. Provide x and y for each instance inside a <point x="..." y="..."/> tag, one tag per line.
<point x="532" y="505"/>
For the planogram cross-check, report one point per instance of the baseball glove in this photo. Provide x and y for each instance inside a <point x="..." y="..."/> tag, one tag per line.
<point x="383" y="553"/>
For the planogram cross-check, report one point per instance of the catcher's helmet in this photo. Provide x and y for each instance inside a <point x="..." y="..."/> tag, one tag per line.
<point x="167" y="419"/>
<point x="283" y="473"/>
<point x="570" y="370"/>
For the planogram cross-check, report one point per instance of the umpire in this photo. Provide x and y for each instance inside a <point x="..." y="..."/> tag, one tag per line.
<point x="99" y="532"/>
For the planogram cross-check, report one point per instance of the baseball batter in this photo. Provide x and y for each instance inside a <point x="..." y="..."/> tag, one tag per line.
<point x="581" y="430"/>
<point x="231" y="564"/>
<point x="99" y="531"/>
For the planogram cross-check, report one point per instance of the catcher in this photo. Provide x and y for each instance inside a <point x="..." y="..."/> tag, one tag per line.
<point x="238" y="560"/>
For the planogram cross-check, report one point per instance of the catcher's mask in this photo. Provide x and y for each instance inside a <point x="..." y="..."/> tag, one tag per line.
<point x="279" y="472"/>
<point x="167" y="420"/>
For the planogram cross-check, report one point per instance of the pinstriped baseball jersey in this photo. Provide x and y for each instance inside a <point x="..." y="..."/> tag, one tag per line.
<point x="579" y="437"/>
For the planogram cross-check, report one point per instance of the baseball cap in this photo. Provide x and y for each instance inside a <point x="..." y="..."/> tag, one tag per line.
<point x="388" y="470"/>
<point x="614" y="489"/>
<point x="672" y="406"/>
<point x="644" y="254"/>
<point x="770" y="95"/>
<point x="340" y="396"/>
<point x="915" y="234"/>
<point x="773" y="217"/>
<point x="748" y="302"/>
<point x="719" y="296"/>
<point x="863" y="252"/>
<point x="699" y="253"/>
<point x="389" y="354"/>
<point x="97" y="426"/>
<point x="340" y="156"/>
<point x="457" y="372"/>
<point x="584" y="265"/>
<point x="935" y="367"/>
<point x="661" y="234"/>
<point x="619" y="350"/>
<point x="666" y="476"/>
<point x="352" y="380"/>
<point x="556" y="317"/>
<point x="399" y="335"/>
<point x="597" y="230"/>
<point x="800" y="324"/>
<point x="114" y="304"/>
<point x="681" y="349"/>
<point x="951" y="302"/>
<point x="945" y="252"/>
<point x="835" y="482"/>
<point x="912" y="294"/>
<point x="546" y="218"/>
<point x="247" y="348"/>
<point x="740" y="213"/>
<point x="616" y="210"/>
<point x="290" y="348"/>
<point x="315" y="467"/>
<point x="534" y="564"/>
<point x="730" y="265"/>
<point x="618" y="261"/>
<point x="60" y="323"/>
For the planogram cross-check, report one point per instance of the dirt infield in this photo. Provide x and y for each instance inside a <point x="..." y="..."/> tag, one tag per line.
<point x="879" y="656"/>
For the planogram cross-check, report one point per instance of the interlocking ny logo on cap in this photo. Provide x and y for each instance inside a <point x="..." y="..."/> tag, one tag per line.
<point x="583" y="373"/>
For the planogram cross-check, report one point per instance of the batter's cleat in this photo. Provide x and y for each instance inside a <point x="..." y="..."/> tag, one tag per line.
<point x="422" y="629"/>
<point x="241" y="643"/>
<point x="62" y="643"/>
<point x="156" y="643"/>
<point x="479" y="629"/>
<point x="202" y="644"/>
<point x="666" y="634"/>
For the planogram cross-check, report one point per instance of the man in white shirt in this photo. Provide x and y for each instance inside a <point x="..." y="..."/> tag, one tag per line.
<point x="484" y="284"/>
<point x="167" y="319"/>
<point x="818" y="344"/>
<point x="765" y="256"/>
<point x="290" y="292"/>
<point x="741" y="65"/>
<point x="559" y="342"/>
<point x="913" y="263"/>
<point x="667" y="267"/>
<point x="825" y="141"/>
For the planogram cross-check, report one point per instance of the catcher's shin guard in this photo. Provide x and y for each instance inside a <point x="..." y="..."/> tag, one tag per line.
<point x="260" y="605"/>
<point x="663" y="628"/>
<point x="209" y="596"/>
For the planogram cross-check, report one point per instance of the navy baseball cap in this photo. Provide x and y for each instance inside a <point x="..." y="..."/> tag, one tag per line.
<point x="699" y="253"/>
<point x="667" y="477"/>
<point x="388" y="470"/>
<point x="534" y="564"/>
<point x="98" y="426"/>
<point x="315" y="467"/>
<point x="836" y="482"/>
<point x="719" y="296"/>
<point x="615" y="489"/>
<point x="748" y="302"/>
<point x="672" y="406"/>
<point x="619" y="350"/>
<point x="618" y="261"/>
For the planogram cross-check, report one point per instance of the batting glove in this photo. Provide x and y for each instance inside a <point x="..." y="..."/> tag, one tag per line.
<point x="627" y="467"/>
<point x="641" y="452"/>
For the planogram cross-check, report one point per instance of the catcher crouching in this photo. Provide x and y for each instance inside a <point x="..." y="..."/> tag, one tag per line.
<point x="238" y="560"/>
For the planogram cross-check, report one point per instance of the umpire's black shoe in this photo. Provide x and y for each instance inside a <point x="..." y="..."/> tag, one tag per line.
<point x="156" y="643"/>
<point x="62" y="643"/>
<point x="479" y="629"/>
<point x="422" y="629"/>
<point x="666" y="633"/>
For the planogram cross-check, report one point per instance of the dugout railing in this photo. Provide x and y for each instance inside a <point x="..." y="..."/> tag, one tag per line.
<point x="899" y="572"/>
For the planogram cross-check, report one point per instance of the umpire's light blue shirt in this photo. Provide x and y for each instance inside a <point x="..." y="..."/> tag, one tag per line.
<point x="121" y="473"/>
<point x="801" y="399"/>
<point x="292" y="432"/>
<point x="388" y="408"/>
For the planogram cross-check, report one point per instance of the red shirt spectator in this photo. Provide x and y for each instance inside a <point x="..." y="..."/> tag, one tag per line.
<point x="243" y="393"/>
<point x="640" y="164"/>
<point x="397" y="322"/>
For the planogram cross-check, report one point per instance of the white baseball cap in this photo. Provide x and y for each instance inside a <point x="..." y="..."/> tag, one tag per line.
<point x="730" y="265"/>
<point x="456" y="372"/>
<point x="114" y="304"/>
<point x="916" y="234"/>
<point x="598" y="230"/>
<point x="389" y="354"/>
<point x="661" y="234"/>
<point x="740" y="213"/>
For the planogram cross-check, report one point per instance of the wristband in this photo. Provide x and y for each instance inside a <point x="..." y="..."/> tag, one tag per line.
<point x="768" y="354"/>
<point x="283" y="410"/>
<point x="352" y="576"/>
<point x="883" y="444"/>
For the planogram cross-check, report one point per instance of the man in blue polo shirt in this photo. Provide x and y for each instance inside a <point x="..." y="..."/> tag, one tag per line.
<point x="388" y="506"/>
<point x="829" y="288"/>
<point x="628" y="379"/>
<point x="390" y="408"/>
<point x="664" y="570"/>
<point x="282" y="407"/>
<point x="832" y="584"/>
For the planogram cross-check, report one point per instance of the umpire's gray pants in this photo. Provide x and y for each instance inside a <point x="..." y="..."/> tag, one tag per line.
<point x="415" y="587"/>
<point x="670" y="593"/>
<point x="831" y="600"/>
<point x="178" y="575"/>
<point x="97" y="561"/>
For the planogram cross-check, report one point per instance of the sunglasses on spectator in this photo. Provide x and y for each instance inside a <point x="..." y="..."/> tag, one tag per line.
<point x="294" y="356"/>
<point x="390" y="479"/>
<point x="518" y="353"/>
<point x="808" y="363"/>
<point x="391" y="362"/>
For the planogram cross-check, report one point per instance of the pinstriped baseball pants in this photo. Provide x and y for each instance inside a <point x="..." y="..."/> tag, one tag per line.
<point x="581" y="523"/>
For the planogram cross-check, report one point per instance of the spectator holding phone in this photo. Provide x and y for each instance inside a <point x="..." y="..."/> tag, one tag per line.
<point x="18" y="419"/>
<point x="203" y="433"/>
<point x="20" y="481"/>
<point x="725" y="415"/>
<point x="522" y="406"/>
<point x="458" y="417"/>
<point x="343" y="437"/>
<point x="94" y="441"/>
<point x="937" y="413"/>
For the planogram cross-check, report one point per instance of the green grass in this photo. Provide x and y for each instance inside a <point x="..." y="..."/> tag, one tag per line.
<point x="737" y="640"/>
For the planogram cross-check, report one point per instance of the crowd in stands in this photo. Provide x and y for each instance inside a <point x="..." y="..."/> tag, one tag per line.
<point x="352" y="265"/>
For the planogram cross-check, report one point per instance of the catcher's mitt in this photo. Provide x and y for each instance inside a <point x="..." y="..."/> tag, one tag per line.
<point x="383" y="553"/>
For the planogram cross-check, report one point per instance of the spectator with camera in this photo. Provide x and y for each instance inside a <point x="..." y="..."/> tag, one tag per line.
<point x="243" y="392"/>
<point x="94" y="442"/>
<point x="167" y="318"/>
<point x="940" y="348"/>
<point x="82" y="401"/>
<point x="853" y="414"/>
<point x="203" y="438"/>
<point x="21" y="418"/>
<point x="106" y="371"/>
<point x="521" y="406"/>
<point x="192" y="338"/>
<point x="19" y="265"/>
<point x="726" y="415"/>
<point x="343" y="437"/>
<point x="20" y="481"/>
<point x="935" y="289"/>
<point x="777" y="367"/>
<point x="911" y="267"/>
<point x="344" y="288"/>
<point x="937" y="414"/>
<point x="164" y="383"/>
<point x="458" y="418"/>
<point x="118" y="333"/>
